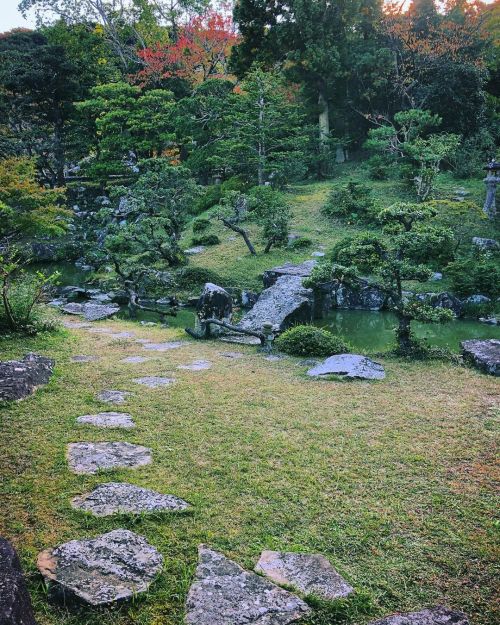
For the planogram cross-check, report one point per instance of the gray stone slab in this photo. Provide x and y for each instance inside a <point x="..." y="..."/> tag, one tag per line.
<point x="152" y="381"/>
<point x="113" y="397"/>
<point x="483" y="354"/>
<point x="89" y="458"/>
<point x="432" y="616"/>
<point x="133" y="360"/>
<point x="196" y="365"/>
<point x="164" y="347"/>
<point x="82" y="358"/>
<point x="349" y="366"/>
<point x="225" y="594"/>
<point x="311" y="574"/>
<point x="112" y="567"/>
<point x="122" y="498"/>
<point x="108" y="420"/>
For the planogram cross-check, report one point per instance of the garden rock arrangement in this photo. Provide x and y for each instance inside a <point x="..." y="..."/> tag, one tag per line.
<point x="21" y="378"/>
<point x="433" y="616"/>
<point x="349" y="366"/>
<point x="15" y="602"/>
<point x="89" y="458"/>
<point x="117" y="565"/>
<point x="225" y="594"/>
<point x="483" y="354"/>
<point x="122" y="498"/>
<point x="308" y="573"/>
<point x="108" y="420"/>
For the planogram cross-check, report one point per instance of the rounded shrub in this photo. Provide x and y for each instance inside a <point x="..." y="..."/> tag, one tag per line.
<point x="201" y="224"/>
<point x="307" y="340"/>
<point x="193" y="277"/>
<point x="206" y="239"/>
<point x="301" y="243"/>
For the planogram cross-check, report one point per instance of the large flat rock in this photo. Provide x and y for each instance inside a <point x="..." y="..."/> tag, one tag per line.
<point x="91" y="311"/>
<point x="112" y="567"/>
<point x="21" y="378"/>
<point x="284" y="304"/>
<point x="308" y="573"/>
<point x="15" y="602"/>
<point x="433" y="616"/>
<point x="108" y="420"/>
<point x="89" y="458"/>
<point x="122" y="498"/>
<point x="225" y="594"/>
<point x="349" y="366"/>
<point x="483" y="354"/>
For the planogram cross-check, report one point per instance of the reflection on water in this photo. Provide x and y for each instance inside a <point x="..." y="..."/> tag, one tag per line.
<point x="374" y="331"/>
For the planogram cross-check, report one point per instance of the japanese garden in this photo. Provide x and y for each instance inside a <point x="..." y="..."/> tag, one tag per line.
<point x="249" y="312"/>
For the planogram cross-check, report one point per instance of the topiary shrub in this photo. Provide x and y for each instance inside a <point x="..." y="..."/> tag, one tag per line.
<point x="193" y="277"/>
<point x="306" y="340"/>
<point x="352" y="201"/>
<point x="206" y="239"/>
<point x="201" y="224"/>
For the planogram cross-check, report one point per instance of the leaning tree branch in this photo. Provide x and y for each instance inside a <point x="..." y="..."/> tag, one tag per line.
<point x="242" y="232"/>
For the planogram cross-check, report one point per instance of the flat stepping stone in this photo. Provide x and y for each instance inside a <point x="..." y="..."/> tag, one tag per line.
<point x="197" y="365"/>
<point x="433" y="616"/>
<point x="122" y="335"/>
<point x="143" y="341"/>
<point x="233" y="355"/>
<point x="114" y="566"/>
<point x="349" y="366"/>
<point x="83" y="358"/>
<point x="122" y="498"/>
<point x="108" y="420"/>
<point x="164" y="347"/>
<point x="225" y="594"/>
<point x="113" y="397"/>
<point x="311" y="574"/>
<point x="132" y="360"/>
<point x="152" y="381"/>
<point x="76" y="325"/>
<point x="89" y="458"/>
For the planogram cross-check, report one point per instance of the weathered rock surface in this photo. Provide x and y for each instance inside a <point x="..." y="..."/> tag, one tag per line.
<point x="108" y="420"/>
<point x="214" y="303"/>
<point x="196" y="365"/>
<point x="114" y="566"/>
<point x="122" y="498"/>
<point x="433" y="616"/>
<point x="21" y="378"/>
<point x="284" y="304"/>
<point x="483" y="354"/>
<point x="303" y="270"/>
<point x="88" y="458"/>
<point x="15" y="602"/>
<point x="308" y="573"/>
<point x="91" y="311"/>
<point x="152" y="381"/>
<point x="134" y="360"/>
<point x="349" y="366"/>
<point x="225" y="594"/>
<point x="162" y="347"/>
<point x="113" y="397"/>
<point x="366" y="297"/>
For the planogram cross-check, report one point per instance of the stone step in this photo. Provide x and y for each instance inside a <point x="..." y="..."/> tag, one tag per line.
<point x="89" y="458"/>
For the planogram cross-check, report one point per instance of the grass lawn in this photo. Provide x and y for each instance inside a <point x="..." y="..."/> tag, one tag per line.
<point x="394" y="482"/>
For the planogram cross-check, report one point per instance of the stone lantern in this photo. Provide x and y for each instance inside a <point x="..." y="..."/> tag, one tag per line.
<point x="492" y="177"/>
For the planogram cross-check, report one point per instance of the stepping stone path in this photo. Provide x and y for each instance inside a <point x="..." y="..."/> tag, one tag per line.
<point x="122" y="498"/>
<point x="349" y="366"/>
<point x="113" y="397"/>
<point x="89" y="458"/>
<point x="84" y="358"/>
<point x="308" y="573"/>
<point x="225" y="594"/>
<point x="154" y="381"/>
<point x="164" y="347"/>
<point x="117" y="565"/>
<point x="196" y="365"/>
<point x="132" y="360"/>
<point x="108" y="420"/>
<point x="433" y="616"/>
<point x="233" y="355"/>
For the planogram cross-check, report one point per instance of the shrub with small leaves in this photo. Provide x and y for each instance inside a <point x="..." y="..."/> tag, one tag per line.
<point x="306" y="340"/>
<point x="206" y="239"/>
<point x="351" y="201"/>
<point x="193" y="277"/>
<point x="301" y="243"/>
<point x="201" y="224"/>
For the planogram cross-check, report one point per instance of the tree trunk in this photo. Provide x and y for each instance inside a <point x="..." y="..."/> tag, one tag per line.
<point x="403" y="334"/>
<point x="324" y="119"/>
<point x="243" y="233"/>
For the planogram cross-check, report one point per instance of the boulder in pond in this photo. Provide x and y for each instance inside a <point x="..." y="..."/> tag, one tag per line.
<point x="21" y="378"/>
<point x="349" y="366"/>
<point x="15" y="602"/>
<point x="483" y="354"/>
<point x="432" y="616"/>
<point x="308" y="573"/>
<point x="214" y="302"/>
<point x="225" y="594"/>
<point x="112" y="567"/>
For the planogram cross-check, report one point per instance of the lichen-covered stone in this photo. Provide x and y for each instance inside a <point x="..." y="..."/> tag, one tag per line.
<point x="152" y="381"/>
<point x="483" y="354"/>
<point x="15" y="602"/>
<point x="113" y="397"/>
<point x="89" y="458"/>
<point x="308" y="573"/>
<point x="108" y="420"/>
<point x="433" y="616"/>
<point x="349" y="366"/>
<point x="225" y="594"/>
<point x="112" y="567"/>
<point x="122" y="498"/>
<point x="21" y="378"/>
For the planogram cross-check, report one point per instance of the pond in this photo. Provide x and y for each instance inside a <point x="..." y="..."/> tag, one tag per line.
<point x="374" y="331"/>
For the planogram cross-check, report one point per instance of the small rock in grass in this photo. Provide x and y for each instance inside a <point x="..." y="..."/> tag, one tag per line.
<point x="196" y="365"/>
<point x="163" y="347"/>
<point x="432" y="616"/>
<point x="84" y="358"/>
<point x="89" y="458"/>
<point x="349" y="366"/>
<point x="122" y="498"/>
<point x="108" y="420"/>
<point x="308" y="573"/>
<point x="152" y="381"/>
<point x="225" y="594"/>
<point x="134" y="360"/>
<point x="113" y="397"/>
<point x="112" y="567"/>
